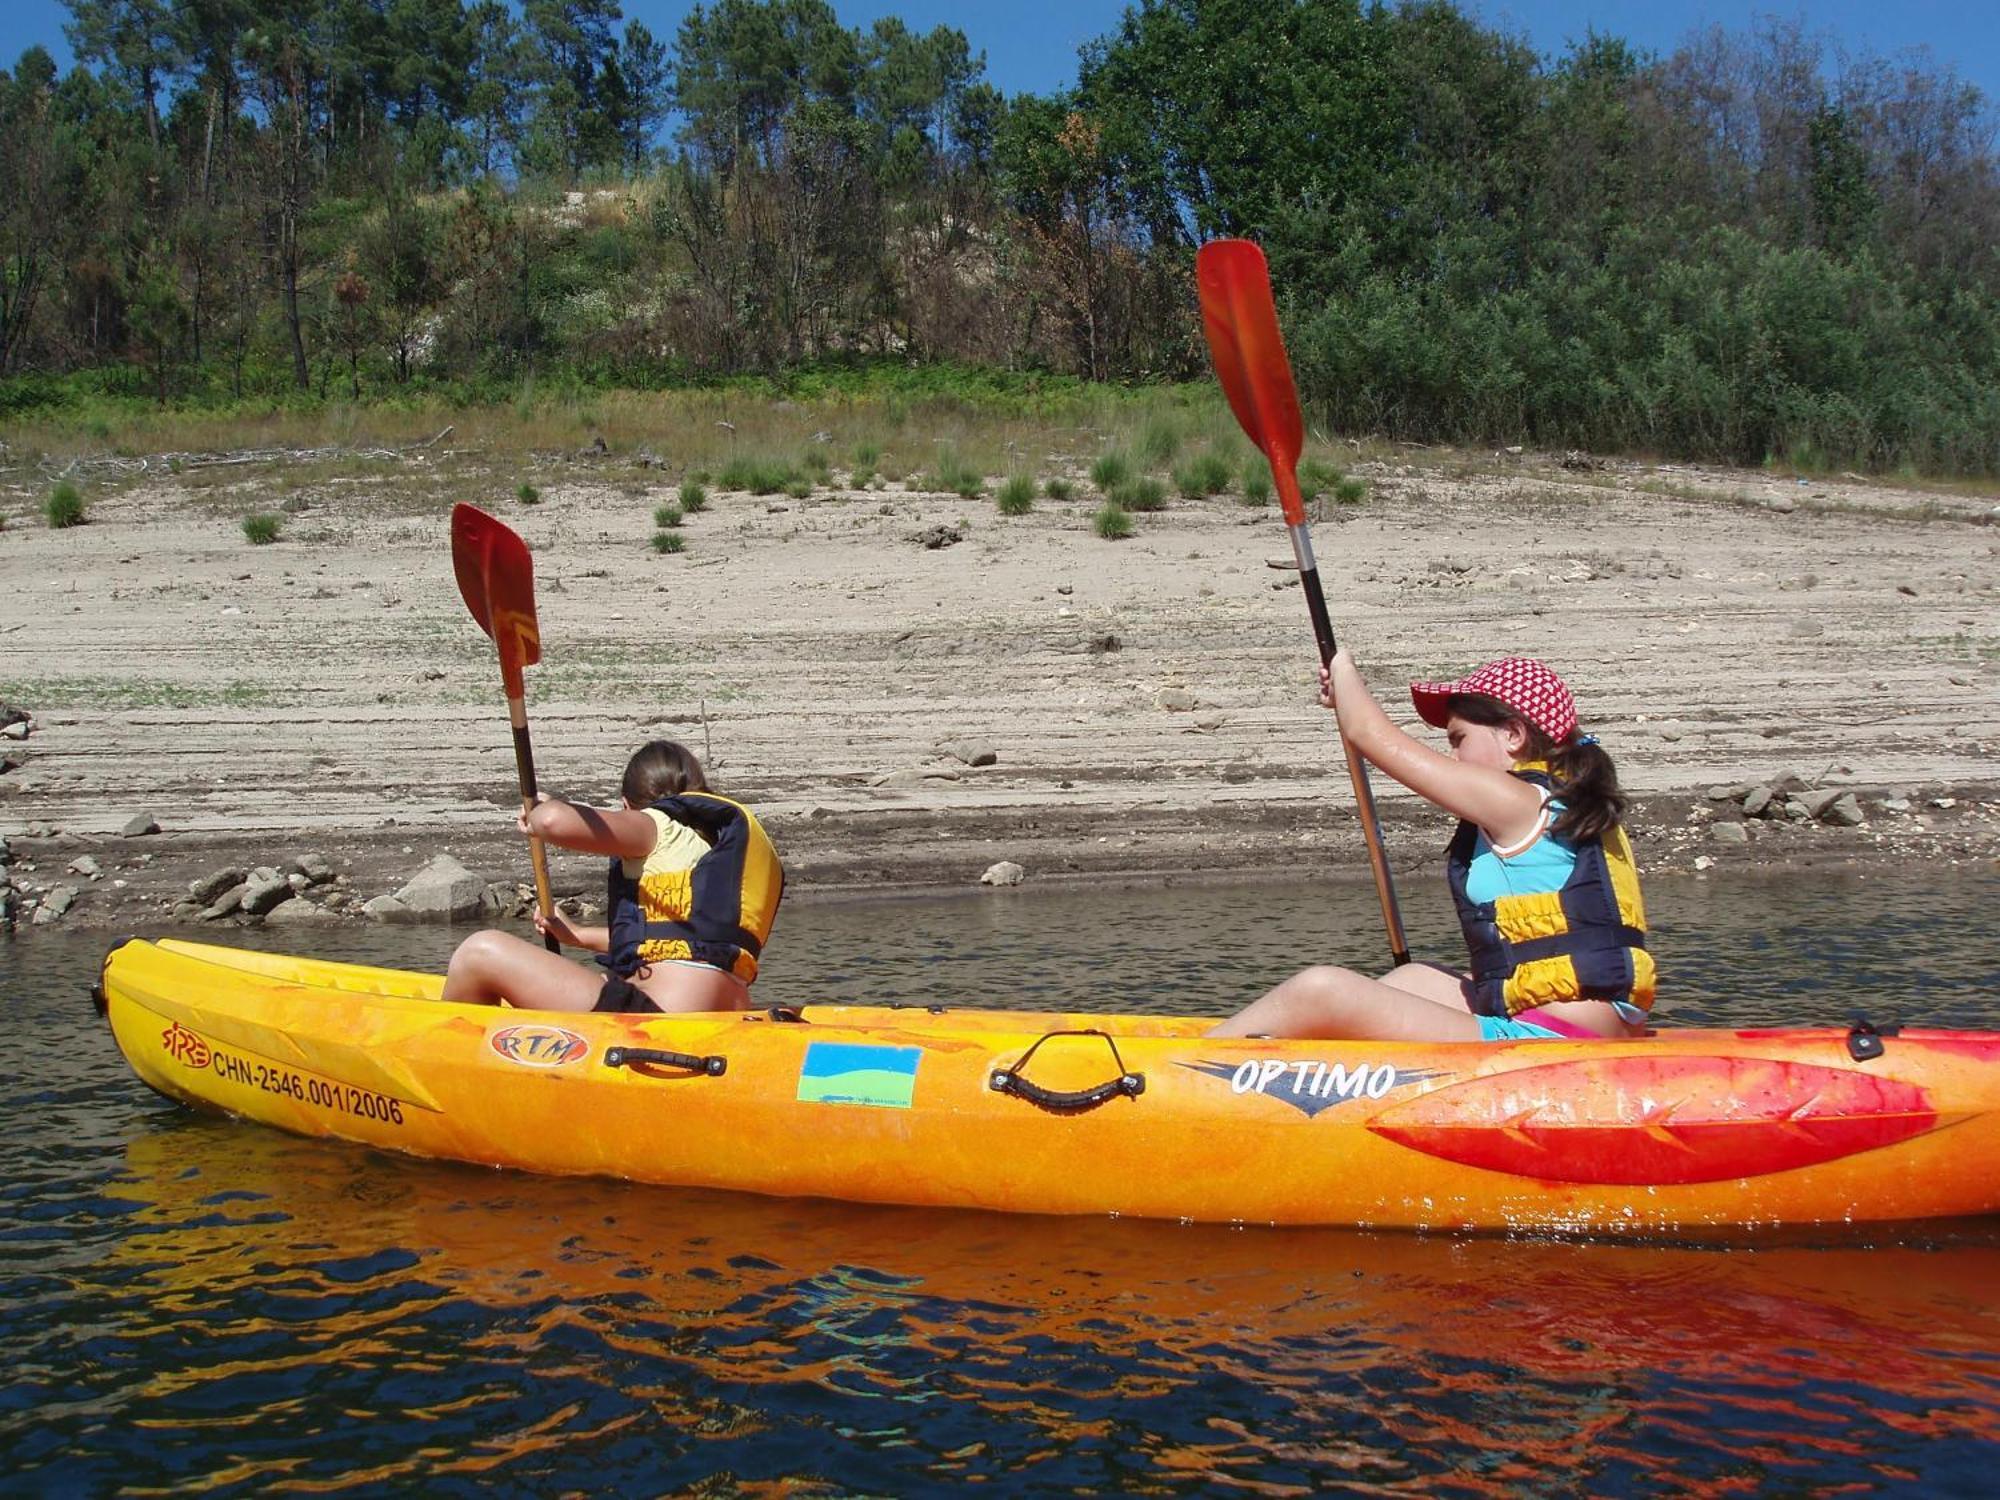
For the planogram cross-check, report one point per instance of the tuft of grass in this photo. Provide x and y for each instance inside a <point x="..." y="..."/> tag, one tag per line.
<point x="1159" y="440"/>
<point x="1350" y="491"/>
<point x="1316" y="476"/>
<point x="1256" y="483"/>
<point x="798" y="487"/>
<point x="694" y="498"/>
<point x="760" y="476"/>
<point x="867" y="455"/>
<point x="1144" y="493"/>
<point x="817" y="461"/>
<point x="667" y="516"/>
<point x="1058" y="489"/>
<point x="527" y="494"/>
<point x="262" y="528"/>
<point x="1111" y="522"/>
<point x="64" y="506"/>
<point x="668" y="541"/>
<point x="1204" y="474"/>
<point x="1017" y="495"/>
<point x="1110" y="470"/>
<point x="955" y="476"/>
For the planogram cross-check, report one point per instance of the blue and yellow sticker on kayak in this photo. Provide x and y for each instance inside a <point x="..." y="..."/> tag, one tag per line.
<point x="857" y="1073"/>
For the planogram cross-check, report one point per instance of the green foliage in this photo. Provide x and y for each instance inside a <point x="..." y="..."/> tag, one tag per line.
<point x="669" y="541"/>
<point x="760" y="476"/>
<point x="798" y="487"/>
<point x="1350" y="491"/>
<point x="1207" y="473"/>
<point x="955" y="476"/>
<point x="1159" y="440"/>
<point x="262" y="528"/>
<point x="1140" y="493"/>
<point x="1110" y="470"/>
<point x="694" y="498"/>
<point x="666" y="516"/>
<point x="1256" y="482"/>
<point x="1017" y="495"/>
<point x="64" y="506"/>
<point x="1111" y="522"/>
<point x="527" y="494"/>
<point x="1058" y="488"/>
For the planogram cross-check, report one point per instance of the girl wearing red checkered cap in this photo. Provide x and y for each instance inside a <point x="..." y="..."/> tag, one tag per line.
<point x="1539" y="869"/>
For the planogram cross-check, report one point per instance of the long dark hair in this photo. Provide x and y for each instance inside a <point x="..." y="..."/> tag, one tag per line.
<point x="661" y="768"/>
<point x="1584" y="777"/>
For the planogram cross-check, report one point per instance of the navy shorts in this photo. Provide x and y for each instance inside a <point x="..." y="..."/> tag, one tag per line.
<point x="623" y="997"/>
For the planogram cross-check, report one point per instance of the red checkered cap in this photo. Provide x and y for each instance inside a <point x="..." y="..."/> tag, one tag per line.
<point x="1522" y="683"/>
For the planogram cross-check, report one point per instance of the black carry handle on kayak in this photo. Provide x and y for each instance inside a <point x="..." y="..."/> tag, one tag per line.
<point x="1061" y="1101"/>
<point x="637" y="1057"/>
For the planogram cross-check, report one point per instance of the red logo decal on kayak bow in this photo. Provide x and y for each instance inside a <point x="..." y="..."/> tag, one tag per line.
<point x="539" y="1046"/>
<point x="1670" y="1119"/>
<point x="184" y="1047"/>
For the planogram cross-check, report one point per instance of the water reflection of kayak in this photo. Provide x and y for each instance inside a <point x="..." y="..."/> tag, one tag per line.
<point x="1082" y="1113"/>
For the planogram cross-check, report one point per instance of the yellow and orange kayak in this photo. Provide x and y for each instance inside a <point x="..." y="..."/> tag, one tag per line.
<point x="1065" y="1113"/>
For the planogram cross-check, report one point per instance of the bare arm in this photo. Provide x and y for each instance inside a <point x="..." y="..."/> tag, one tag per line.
<point x="618" y="832"/>
<point x="559" y="927"/>
<point x="1508" y="808"/>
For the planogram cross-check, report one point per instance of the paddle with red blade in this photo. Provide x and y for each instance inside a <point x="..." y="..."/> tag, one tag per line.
<point x="497" y="577"/>
<point x="1249" y="353"/>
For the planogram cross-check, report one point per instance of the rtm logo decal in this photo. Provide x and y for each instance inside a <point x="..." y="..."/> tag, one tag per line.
<point x="539" y="1046"/>
<point x="1311" y="1085"/>
<point x="184" y="1047"/>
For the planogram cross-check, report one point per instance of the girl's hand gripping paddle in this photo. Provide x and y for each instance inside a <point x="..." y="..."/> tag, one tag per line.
<point x="497" y="577"/>
<point x="1249" y="354"/>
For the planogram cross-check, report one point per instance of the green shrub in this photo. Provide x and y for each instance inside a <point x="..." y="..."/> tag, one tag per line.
<point x="527" y="494"/>
<point x="1315" y="476"/>
<point x="1144" y="493"/>
<point x="1350" y="491"/>
<point x="1159" y="440"/>
<point x="1058" y="489"/>
<point x="760" y="476"/>
<point x="65" y="505"/>
<point x="262" y="528"/>
<point x="798" y="487"/>
<point x="867" y="455"/>
<point x="817" y="461"/>
<point x="955" y="476"/>
<point x="668" y="541"/>
<point x="1257" y="482"/>
<point x="1017" y="495"/>
<point x="1204" y="474"/>
<point x="1111" y="522"/>
<point x="694" y="499"/>
<point x="667" y="516"/>
<point x="1112" y="469"/>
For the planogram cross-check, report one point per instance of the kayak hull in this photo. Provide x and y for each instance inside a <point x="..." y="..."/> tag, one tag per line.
<point x="1085" y="1114"/>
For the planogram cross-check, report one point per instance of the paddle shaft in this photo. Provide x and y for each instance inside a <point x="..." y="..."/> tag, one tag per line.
<point x="524" y="762"/>
<point x="1357" y="768"/>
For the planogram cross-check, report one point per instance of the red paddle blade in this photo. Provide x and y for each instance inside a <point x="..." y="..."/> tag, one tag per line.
<point x="496" y="575"/>
<point x="1249" y="355"/>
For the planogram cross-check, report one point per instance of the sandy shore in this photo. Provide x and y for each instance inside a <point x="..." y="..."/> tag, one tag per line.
<point x="1147" y="702"/>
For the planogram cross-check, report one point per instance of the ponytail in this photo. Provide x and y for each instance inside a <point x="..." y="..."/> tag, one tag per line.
<point x="1585" y="779"/>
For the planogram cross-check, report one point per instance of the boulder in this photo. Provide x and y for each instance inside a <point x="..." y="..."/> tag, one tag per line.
<point x="209" y="887"/>
<point x="263" y="890"/>
<point x="1006" y="872"/>
<point x="1845" y="812"/>
<point x="140" y="826"/>
<point x="443" y="891"/>
<point x="54" y="904"/>
<point x="1728" y="833"/>
<point x="972" y="752"/>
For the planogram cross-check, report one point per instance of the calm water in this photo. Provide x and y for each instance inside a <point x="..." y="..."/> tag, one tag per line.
<point x="191" y="1303"/>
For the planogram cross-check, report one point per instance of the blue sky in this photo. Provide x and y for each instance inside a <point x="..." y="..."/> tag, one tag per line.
<point x="1032" y="44"/>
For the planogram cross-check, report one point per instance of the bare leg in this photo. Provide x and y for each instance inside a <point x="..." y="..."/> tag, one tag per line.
<point x="492" y="966"/>
<point x="1412" y="1003"/>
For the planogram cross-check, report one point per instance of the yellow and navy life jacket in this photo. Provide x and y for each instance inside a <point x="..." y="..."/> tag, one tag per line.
<point x="1585" y="941"/>
<point x="719" y="911"/>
